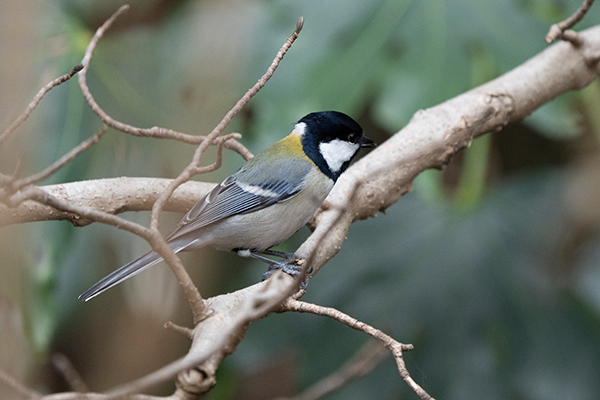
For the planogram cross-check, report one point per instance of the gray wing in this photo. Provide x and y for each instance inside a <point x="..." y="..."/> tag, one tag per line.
<point x="237" y="195"/>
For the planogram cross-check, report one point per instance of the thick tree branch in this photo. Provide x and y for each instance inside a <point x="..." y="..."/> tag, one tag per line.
<point x="112" y="196"/>
<point x="435" y="134"/>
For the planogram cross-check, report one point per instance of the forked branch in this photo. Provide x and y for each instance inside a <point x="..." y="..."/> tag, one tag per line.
<point x="562" y="29"/>
<point x="387" y="341"/>
<point x="155" y="132"/>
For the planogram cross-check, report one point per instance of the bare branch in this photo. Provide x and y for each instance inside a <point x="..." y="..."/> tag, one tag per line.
<point x="387" y="341"/>
<point x="154" y="238"/>
<point x="434" y="135"/>
<point x="363" y="362"/>
<point x="194" y="167"/>
<point x="262" y="81"/>
<point x="182" y="330"/>
<point x="36" y="100"/>
<point x="155" y="132"/>
<point x="303" y="307"/>
<point x="99" y="396"/>
<point x="37" y="194"/>
<point x="68" y="371"/>
<point x="23" y="391"/>
<point x="57" y="165"/>
<point x="216" y="337"/>
<point x="560" y="30"/>
<point x="112" y="196"/>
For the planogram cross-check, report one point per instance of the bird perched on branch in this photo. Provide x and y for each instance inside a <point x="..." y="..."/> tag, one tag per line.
<point x="267" y="200"/>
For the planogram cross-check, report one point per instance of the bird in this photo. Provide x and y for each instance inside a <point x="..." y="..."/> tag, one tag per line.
<point x="266" y="200"/>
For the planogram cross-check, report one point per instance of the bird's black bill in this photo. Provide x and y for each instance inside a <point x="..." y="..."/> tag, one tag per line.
<point x="366" y="142"/>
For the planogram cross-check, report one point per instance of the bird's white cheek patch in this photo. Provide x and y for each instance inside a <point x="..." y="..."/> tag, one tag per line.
<point x="257" y="190"/>
<point x="337" y="152"/>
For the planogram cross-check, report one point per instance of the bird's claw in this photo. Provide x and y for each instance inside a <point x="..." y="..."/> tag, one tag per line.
<point x="291" y="266"/>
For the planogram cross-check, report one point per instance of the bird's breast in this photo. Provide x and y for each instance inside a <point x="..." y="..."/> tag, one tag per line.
<point x="272" y="225"/>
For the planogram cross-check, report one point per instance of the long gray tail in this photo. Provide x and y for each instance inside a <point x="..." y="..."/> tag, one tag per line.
<point x="127" y="271"/>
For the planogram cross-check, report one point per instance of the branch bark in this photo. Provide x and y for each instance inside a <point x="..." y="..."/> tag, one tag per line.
<point x="113" y="195"/>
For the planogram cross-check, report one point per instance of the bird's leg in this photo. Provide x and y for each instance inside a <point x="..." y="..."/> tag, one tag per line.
<point x="281" y="254"/>
<point x="290" y="263"/>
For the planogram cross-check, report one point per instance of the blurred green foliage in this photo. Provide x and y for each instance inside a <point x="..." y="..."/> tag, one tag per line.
<point x="489" y="268"/>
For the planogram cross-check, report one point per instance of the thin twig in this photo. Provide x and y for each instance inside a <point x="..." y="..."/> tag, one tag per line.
<point x="194" y="297"/>
<point x="155" y="132"/>
<point x="261" y="299"/>
<point x="18" y="387"/>
<point x="304" y="307"/>
<point x="261" y="82"/>
<point x="182" y="330"/>
<point x="363" y="362"/>
<point x="193" y="168"/>
<point x="224" y="122"/>
<point x="154" y="238"/>
<point x="36" y="100"/>
<point x="50" y="170"/>
<point x="68" y="371"/>
<point x="560" y="30"/>
<point x="387" y="341"/>
<point x="6" y="179"/>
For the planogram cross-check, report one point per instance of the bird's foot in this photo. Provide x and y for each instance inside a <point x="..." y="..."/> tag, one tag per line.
<point x="292" y="266"/>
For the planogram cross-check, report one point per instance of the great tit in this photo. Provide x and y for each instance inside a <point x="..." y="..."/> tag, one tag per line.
<point x="267" y="200"/>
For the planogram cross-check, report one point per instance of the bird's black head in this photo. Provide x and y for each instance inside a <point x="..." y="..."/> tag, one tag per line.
<point x="331" y="139"/>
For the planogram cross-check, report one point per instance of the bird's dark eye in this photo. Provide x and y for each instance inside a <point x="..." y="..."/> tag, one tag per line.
<point x="353" y="138"/>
